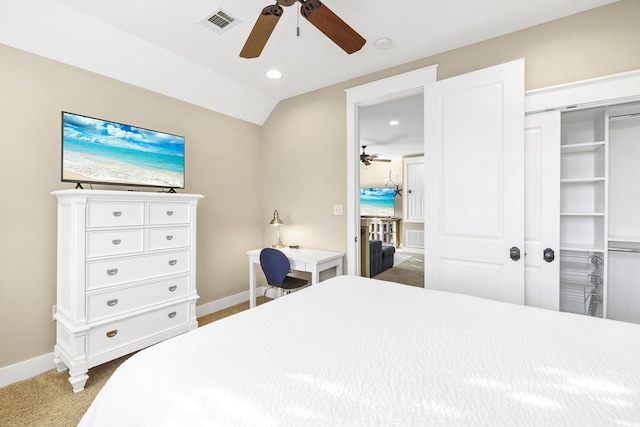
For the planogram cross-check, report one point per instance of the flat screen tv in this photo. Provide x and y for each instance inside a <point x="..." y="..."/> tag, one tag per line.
<point x="377" y="202"/>
<point x="97" y="151"/>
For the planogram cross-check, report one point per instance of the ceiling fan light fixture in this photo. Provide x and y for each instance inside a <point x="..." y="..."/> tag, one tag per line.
<point x="274" y="74"/>
<point x="314" y="11"/>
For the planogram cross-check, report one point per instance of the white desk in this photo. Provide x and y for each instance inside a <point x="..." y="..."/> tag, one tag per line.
<point x="310" y="260"/>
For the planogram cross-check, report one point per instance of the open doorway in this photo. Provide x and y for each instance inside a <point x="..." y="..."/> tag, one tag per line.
<point x="391" y="137"/>
<point x="392" y="88"/>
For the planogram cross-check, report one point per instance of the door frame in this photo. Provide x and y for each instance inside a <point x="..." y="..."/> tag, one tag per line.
<point x="373" y="93"/>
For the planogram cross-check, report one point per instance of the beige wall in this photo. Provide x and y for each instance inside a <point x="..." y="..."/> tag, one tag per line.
<point x="295" y="163"/>
<point x="591" y="44"/>
<point x="222" y="163"/>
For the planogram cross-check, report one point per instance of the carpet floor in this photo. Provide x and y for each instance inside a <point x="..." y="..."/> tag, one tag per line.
<point x="409" y="271"/>
<point x="47" y="399"/>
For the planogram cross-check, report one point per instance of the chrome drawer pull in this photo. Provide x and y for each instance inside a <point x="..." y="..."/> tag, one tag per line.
<point x="117" y="213"/>
<point x="172" y="315"/>
<point x="169" y="213"/>
<point x="173" y="288"/>
<point x="112" y="302"/>
<point x="112" y="334"/>
<point x="112" y="272"/>
<point x="169" y="237"/>
<point x="173" y="261"/>
<point x="116" y="241"/>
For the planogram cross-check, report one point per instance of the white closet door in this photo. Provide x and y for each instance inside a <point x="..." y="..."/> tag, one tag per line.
<point x="474" y="183"/>
<point x="542" y="209"/>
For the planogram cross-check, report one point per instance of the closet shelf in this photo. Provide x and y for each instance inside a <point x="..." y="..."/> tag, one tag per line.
<point x="624" y="238"/>
<point x="581" y="147"/>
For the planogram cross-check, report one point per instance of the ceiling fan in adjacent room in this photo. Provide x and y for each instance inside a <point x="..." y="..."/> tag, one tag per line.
<point x="315" y="12"/>
<point x="366" y="159"/>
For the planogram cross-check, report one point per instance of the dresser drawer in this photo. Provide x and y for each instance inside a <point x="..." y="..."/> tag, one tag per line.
<point x="168" y="237"/>
<point x="104" y="273"/>
<point x="169" y="213"/>
<point x="111" y="336"/>
<point x="106" y="304"/>
<point x="117" y="242"/>
<point x="114" y="214"/>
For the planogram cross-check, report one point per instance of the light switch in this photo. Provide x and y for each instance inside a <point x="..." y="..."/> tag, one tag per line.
<point x="337" y="209"/>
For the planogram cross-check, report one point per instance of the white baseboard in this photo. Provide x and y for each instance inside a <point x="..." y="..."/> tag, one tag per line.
<point x="26" y="369"/>
<point x="222" y="303"/>
<point x="32" y="367"/>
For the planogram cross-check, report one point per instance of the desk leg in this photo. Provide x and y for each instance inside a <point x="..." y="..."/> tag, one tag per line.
<point x="315" y="276"/>
<point x="252" y="284"/>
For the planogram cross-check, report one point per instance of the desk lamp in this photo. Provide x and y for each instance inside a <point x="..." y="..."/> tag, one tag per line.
<point x="277" y="222"/>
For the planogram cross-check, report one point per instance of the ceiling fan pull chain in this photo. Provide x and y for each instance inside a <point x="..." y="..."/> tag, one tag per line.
<point x="298" y="24"/>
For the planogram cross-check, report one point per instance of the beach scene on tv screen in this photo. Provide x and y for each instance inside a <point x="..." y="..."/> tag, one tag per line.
<point x="100" y="151"/>
<point x="377" y="202"/>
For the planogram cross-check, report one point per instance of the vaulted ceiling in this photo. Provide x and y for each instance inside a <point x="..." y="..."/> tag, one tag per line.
<point x="162" y="45"/>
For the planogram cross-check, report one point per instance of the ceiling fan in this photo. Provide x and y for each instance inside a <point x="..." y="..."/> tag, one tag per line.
<point x="315" y="12"/>
<point x="366" y="159"/>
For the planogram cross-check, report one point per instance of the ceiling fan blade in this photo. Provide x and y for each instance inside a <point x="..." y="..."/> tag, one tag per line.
<point x="380" y="160"/>
<point x="261" y="31"/>
<point x="332" y="26"/>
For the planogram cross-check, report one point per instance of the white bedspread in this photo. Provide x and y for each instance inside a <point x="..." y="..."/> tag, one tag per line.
<point x="362" y="352"/>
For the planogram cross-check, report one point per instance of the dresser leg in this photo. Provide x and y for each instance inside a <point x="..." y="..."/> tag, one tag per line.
<point x="78" y="380"/>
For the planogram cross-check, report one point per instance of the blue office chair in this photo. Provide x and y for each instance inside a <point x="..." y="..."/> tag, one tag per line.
<point x="276" y="268"/>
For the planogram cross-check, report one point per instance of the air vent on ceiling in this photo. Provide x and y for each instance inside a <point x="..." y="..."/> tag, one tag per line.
<point x="220" y="21"/>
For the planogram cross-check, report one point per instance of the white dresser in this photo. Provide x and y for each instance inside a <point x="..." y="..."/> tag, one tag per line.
<point x="126" y="274"/>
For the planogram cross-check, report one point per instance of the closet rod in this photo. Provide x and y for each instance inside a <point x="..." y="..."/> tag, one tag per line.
<point x="625" y="250"/>
<point x="625" y="116"/>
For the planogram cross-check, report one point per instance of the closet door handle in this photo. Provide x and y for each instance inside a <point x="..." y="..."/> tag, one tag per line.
<point x="549" y="255"/>
<point x="514" y="253"/>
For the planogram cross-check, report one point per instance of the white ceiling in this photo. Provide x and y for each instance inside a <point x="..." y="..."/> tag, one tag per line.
<point x="393" y="142"/>
<point x="161" y="45"/>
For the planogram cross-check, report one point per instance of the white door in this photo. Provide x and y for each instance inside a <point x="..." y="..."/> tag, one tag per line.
<point x="542" y="210"/>
<point x="474" y="183"/>
<point x="414" y="189"/>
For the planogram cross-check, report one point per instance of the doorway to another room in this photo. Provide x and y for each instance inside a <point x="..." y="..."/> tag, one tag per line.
<point x="391" y="190"/>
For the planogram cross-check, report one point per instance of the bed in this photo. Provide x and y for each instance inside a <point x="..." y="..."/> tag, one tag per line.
<point x="361" y="352"/>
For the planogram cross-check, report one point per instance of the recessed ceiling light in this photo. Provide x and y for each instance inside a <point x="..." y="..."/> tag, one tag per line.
<point x="394" y="123"/>
<point x="274" y="74"/>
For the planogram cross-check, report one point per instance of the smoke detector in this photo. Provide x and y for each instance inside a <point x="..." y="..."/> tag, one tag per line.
<point x="383" y="43"/>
